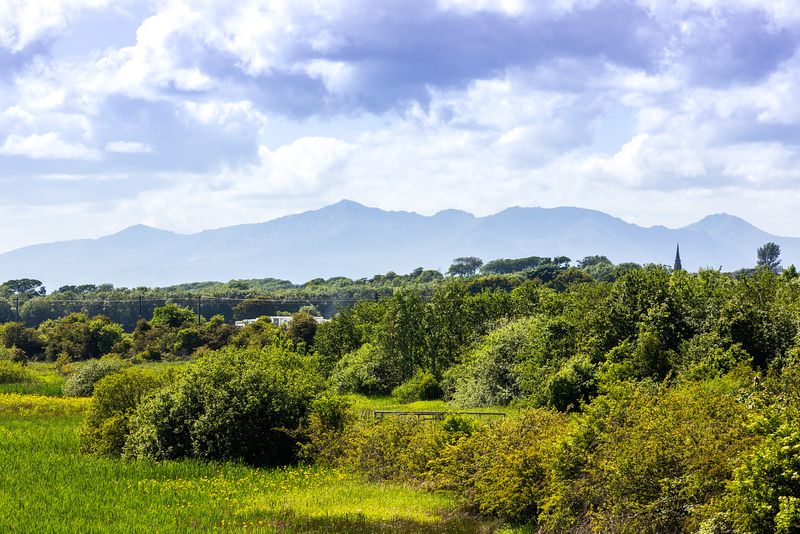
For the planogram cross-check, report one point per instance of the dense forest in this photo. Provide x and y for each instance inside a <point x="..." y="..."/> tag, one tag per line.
<point x="639" y="398"/>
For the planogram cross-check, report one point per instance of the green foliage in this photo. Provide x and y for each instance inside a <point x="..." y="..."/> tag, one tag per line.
<point x="487" y="377"/>
<point x="322" y="431"/>
<point x="302" y="328"/>
<point x="765" y="492"/>
<point x="81" y="382"/>
<point x="420" y="387"/>
<point x="238" y="405"/>
<point x="173" y="316"/>
<point x="116" y="397"/>
<point x="466" y="266"/>
<point x="335" y="338"/>
<point x="369" y="370"/>
<point x="79" y="336"/>
<point x="12" y="372"/>
<point x="7" y="313"/>
<point x="17" y="335"/>
<point x="643" y="459"/>
<point x="502" y="469"/>
<point x="506" y="266"/>
<point x="768" y="255"/>
<point x="393" y="448"/>
<point x="12" y="354"/>
<point x="708" y="356"/>
<point x="25" y="287"/>
<point x="401" y="334"/>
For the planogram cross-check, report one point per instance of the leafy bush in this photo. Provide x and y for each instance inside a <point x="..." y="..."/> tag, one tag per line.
<point x="502" y="469"/>
<point x="116" y="397"/>
<point x="369" y="370"/>
<point x="13" y="373"/>
<point x="765" y="493"/>
<point x="422" y="386"/>
<point x="240" y="405"/>
<point x="487" y="375"/>
<point x="12" y="354"/>
<point x="394" y="448"/>
<point x="322" y="432"/>
<point x="81" y="382"/>
<point x="645" y="458"/>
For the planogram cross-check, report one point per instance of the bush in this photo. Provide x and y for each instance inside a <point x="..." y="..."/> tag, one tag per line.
<point x="81" y="382"/>
<point x="116" y="397"/>
<point x="422" y="386"/>
<point x="368" y="370"/>
<point x="394" y="448"/>
<point x="765" y="492"/>
<point x="501" y="468"/>
<point x="12" y="354"/>
<point x="645" y="458"/>
<point x="238" y="405"/>
<point x="487" y="377"/>
<point x="14" y="373"/>
<point x="322" y="433"/>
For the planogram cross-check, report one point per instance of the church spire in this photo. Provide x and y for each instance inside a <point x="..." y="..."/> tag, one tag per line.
<point x="677" y="266"/>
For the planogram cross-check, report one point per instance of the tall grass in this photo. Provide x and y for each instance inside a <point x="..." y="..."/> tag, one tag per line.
<point x="47" y="486"/>
<point x="46" y="381"/>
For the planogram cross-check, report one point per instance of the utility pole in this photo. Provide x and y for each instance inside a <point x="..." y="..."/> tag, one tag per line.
<point x="199" y="308"/>
<point x="140" y="308"/>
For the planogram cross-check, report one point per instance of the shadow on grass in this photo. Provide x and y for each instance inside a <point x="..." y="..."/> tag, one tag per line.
<point x="286" y="522"/>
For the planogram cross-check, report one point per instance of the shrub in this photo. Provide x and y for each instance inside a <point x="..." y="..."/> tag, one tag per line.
<point x="322" y="433"/>
<point x="116" y="397"/>
<point x="239" y="405"/>
<point x="394" y="448"/>
<point x="368" y="370"/>
<point x="765" y="493"/>
<point x="81" y="382"/>
<point x="644" y="458"/>
<point x="422" y="386"/>
<point x="12" y="354"/>
<point x="487" y="376"/>
<point x="13" y="372"/>
<point x="502" y="468"/>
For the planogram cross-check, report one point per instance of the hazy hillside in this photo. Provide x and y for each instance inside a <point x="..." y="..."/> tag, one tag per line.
<point x="352" y="240"/>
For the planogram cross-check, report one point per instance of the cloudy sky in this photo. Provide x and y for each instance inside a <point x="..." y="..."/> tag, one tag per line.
<point x="194" y="114"/>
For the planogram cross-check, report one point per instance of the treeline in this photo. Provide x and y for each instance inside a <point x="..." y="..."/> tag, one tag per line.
<point x="247" y="299"/>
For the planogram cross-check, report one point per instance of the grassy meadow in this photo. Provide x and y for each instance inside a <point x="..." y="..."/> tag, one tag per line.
<point x="47" y="485"/>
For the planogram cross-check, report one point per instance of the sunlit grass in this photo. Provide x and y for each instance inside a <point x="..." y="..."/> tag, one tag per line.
<point x="46" y="485"/>
<point x="29" y="405"/>
<point x="47" y="381"/>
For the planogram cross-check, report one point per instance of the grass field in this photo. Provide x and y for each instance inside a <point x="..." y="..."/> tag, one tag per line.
<point x="46" y="485"/>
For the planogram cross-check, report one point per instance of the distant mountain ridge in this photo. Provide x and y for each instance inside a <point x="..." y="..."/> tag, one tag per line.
<point x="349" y="239"/>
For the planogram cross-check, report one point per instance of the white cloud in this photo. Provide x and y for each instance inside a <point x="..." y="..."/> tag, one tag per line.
<point x="23" y="22"/>
<point x="232" y="116"/>
<point x="46" y="146"/>
<point x="129" y="147"/>
<point x="297" y="168"/>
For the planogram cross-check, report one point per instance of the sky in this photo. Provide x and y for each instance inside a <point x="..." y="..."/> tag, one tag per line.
<point x="196" y="114"/>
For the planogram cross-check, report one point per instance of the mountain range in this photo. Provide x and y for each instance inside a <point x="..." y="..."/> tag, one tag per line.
<point x="349" y="239"/>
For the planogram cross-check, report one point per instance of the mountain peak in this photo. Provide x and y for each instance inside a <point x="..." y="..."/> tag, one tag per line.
<point x="719" y="223"/>
<point x="140" y="229"/>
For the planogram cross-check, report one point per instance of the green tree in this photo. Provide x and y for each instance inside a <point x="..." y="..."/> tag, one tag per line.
<point x="302" y="328"/>
<point x="465" y="266"/>
<point x="768" y="255"/>
<point x="173" y="316"/>
<point x="401" y="333"/>
<point x="24" y="287"/>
